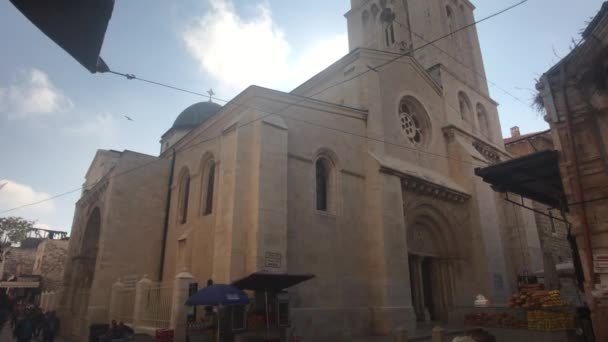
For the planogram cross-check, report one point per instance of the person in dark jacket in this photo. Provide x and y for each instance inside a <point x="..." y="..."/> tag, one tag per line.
<point x="24" y="329"/>
<point x="50" y="327"/>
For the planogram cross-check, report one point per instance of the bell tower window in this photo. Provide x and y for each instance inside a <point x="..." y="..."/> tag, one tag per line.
<point x="389" y="34"/>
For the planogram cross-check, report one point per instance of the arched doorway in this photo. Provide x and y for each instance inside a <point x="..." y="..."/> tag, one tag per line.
<point x="430" y="249"/>
<point x="89" y="249"/>
<point x="84" y="263"/>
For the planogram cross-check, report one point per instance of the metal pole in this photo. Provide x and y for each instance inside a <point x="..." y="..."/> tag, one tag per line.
<point x="218" y="322"/>
<point x="267" y="316"/>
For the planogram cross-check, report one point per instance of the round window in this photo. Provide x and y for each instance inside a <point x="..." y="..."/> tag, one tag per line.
<point x="413" y="121"/>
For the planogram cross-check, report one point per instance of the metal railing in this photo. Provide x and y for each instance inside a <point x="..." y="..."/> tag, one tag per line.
<point x="156" y="306"/>
<point x="125" y="301"/>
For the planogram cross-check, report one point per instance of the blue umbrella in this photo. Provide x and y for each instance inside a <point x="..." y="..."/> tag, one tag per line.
<point x="218" y="294"/>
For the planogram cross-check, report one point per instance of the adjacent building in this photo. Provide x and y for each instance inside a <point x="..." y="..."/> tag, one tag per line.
<point x="574" y="94"/>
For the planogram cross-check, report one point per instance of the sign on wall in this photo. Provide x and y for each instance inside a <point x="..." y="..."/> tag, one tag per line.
<point x="273" y="260"/>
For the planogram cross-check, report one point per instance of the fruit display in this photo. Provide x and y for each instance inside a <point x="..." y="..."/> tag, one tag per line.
<point x="552" y="299"/>
<point x="532" y="308"/>
<point x="536" y="298"/>
<point x="548" y="320"/>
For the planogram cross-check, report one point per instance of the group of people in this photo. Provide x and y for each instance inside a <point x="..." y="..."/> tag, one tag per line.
<point x="117" y="332"/>
<point x="27" y="321"/>
<point x="33" y="323"/>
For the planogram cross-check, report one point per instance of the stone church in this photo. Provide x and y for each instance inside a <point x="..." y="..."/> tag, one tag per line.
<point x="362" y="175"/>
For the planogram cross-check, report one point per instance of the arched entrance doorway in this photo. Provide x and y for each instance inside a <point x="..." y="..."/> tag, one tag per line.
<point x="89" y="248"/>
<point x="83" y="271"/>
<point x="429" y="250"/>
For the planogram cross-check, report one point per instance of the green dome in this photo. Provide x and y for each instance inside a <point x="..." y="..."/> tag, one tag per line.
<point x="196" y="114"/>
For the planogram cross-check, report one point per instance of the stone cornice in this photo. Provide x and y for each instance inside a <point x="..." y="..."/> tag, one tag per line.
<point x="424" y="187"/>
<point x="488" y="149"/>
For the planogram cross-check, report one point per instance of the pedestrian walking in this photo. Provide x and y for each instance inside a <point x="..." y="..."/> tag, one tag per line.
<point x="24" y="329"/>
<point x="50" y="327"/>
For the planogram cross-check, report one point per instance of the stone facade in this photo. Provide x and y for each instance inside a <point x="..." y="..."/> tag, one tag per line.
<point x="18" y="261"/>
<point x="49" y="263"/>
<point x="575" y="98"/>
<point x="366" y="183"/>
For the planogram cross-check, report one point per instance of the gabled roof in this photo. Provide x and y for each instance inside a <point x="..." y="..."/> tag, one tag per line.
<point x="511" y="140"/>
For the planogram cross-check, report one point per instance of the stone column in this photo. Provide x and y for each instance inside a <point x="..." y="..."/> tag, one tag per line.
<point x="141" y="290"/>
<point x="114" y="298"/>
<point x="178" y="305"/>
<point x="51" y="300"/>
<point x="43" y="300"/>
<point x="437" y="334"/>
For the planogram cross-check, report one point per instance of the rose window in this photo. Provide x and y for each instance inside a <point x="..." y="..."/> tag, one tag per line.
<point x="410" y="124"/>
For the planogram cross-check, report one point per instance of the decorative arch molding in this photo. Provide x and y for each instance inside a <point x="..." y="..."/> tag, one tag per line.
<point x="425" y="218"/>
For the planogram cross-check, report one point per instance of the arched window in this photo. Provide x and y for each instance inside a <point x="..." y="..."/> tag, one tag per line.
<point x="208" y="187"/>
<point x="375" y="11"/>
<point x="465" y="106"/>
<point x="389" y="34"/>
<point x="365" y="18"/>
<point x="451" y="20"/>
<point x="482" y="119"/>
<point x="325" y="184"/>
<point x="184" y="196"/>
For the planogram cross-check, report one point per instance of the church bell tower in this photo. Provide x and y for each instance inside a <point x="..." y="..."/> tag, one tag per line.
<point x="379" y="25"/>
<point x="404" y="26"/>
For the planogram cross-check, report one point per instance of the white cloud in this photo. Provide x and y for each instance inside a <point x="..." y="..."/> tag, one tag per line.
<point x="102" y="127"/>
<point x="239" y="52"/>
<point x="13" y="195"/>
<point x="33" y="94"/>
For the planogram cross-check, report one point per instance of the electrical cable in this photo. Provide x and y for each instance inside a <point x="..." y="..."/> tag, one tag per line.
<point x="479" y="74"/>
<point x="305" y="98"/>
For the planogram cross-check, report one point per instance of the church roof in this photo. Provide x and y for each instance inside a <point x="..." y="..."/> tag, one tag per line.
<point x="196" y="114"/>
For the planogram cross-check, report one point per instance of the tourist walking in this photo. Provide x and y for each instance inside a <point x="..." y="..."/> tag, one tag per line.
<point x="50" y="327"/>
<point x="24" y="329"/>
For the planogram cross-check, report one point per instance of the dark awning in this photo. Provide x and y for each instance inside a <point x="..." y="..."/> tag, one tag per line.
<point x="259" y="281"/>
<point x="535" y="176"/>
<point x="77" y="26"/>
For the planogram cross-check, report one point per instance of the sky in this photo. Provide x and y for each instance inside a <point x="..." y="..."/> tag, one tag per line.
<point x="54" y="114"/>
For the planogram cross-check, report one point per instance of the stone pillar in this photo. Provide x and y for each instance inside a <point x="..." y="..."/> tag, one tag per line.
<point x="437" y="334"/>
<point x="178" y="305"/>
<point x="43" y="298"/>
<point x="390" y="296"/>
<point x="141" y="290"/>
<point x="50" y="300"/>
<point x="114" y="299"/>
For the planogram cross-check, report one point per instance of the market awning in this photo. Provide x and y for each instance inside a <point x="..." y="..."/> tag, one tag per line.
<point x="19" y="284"/>
<point x="535" y="176"/>
<point x="259" y="281"/>
<point x="77" y="26"/>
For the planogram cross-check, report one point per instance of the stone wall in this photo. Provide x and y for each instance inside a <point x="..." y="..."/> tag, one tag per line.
<point x="50" y="262"/>
<point x="553" y="237"/>
<point x="19" y="261"/>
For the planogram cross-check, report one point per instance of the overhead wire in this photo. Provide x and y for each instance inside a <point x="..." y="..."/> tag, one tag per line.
<point x="304" y="98"/>
<point x="457" y="60"/>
